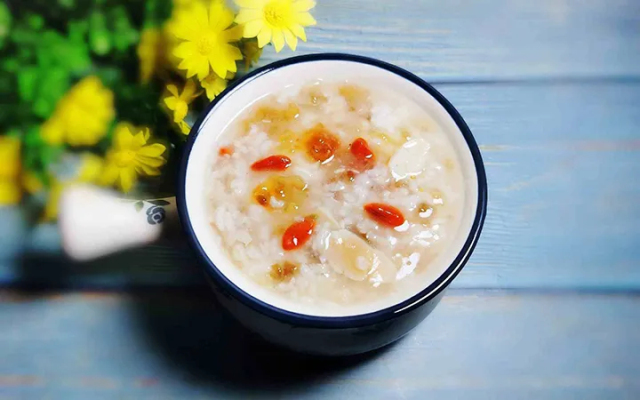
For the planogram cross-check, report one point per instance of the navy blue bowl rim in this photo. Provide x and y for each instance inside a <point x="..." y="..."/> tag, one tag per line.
<point x="303" y="320"/>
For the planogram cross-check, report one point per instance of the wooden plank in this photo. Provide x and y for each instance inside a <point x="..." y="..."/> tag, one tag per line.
<point x="562" y="163"/>
<point x="484" y="39"/>
<point x="476" y="345"/>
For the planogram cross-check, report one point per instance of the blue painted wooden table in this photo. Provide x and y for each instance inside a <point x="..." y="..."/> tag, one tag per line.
<point x="548" y="307"/>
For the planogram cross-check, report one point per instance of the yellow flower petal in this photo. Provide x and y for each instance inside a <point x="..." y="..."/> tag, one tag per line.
<point x="184" y="127"/>
<point x="90" y="168"/>
<point x="146" y="133"/>
<point x="83" y="116"/>
<point x="220" y="17"/>
<point x="189" y="91"/>
<point x="248" y="15"/>
<point x="173" y="89"/>
<point x="109" y="174"/>
<point x="139" y="140"/>
<point x="51" y="208"/>
<point x="52" y="131"/>
<point x="123" y="137"/>
<point x="278" y="39"/>
<point x="299" y="32"/>
<point x="233" y="34"/>
<point x="146" y="170"/>
<point x="221" y="69"/>
<point x="123" y="164"/>
<point x="127" y="178"/>
<point x="189" y="21"/>
<point x="291" y="40"/>
<point x="150" y="161"/>
<point x="203" y="69"/>
<point x="303" y="5"/>
<point x="148" y="52"/>
<point x="154" y="150"/>
<point x="205" y="39"/>
<point x="171" y="103"/>
<point x="264" y="37"/>
<point x="180" y="111"/>
<point x="10" y="192"/>
<point x="191" y="66"/>
<point x="183" y="50"/>
<point x="213" y="85"/>
<point x="251" y="29"/>
<point x="305" y="19"/>
<point x="9" y="157"/>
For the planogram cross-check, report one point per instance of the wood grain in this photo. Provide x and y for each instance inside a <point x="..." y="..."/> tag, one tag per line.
<point x="171" y="344"/>
<point x="562" y="162"/>
<point x="484" y="39"/>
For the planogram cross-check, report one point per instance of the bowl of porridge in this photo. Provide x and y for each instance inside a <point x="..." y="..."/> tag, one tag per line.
<point x="332" y="199"/>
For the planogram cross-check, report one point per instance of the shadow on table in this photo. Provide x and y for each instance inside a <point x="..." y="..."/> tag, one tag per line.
<point x="195" y="335"/>
<point x="148" y="266"/>
<point x="187" y="329"/>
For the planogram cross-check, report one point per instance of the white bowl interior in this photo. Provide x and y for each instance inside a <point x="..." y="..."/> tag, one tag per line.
<point x="250" y="91"/>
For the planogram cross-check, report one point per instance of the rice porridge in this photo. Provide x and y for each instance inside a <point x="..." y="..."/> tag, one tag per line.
<point x="336" y="194"/>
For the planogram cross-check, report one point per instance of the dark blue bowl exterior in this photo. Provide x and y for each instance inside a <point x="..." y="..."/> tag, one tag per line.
<point x="327" y="341"/>
<point x="333" y="335"/>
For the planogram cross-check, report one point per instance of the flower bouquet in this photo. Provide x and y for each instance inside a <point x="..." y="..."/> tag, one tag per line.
<point x="105" y="92"/>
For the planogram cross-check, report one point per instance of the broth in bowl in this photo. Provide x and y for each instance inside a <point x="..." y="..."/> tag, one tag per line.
<point x="335" y="194"/>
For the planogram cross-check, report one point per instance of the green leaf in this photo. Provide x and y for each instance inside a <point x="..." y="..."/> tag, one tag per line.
<point x="5" y="22"/>
<point x="99" y="39"/>
<point x="77" y="58"/>
<point x="78" y="30"/>
<point x="124" y="35"/>
<point x="70" y="53"/>
<point x="10" y="65"/>
<point x="32" y="138"/>
<point x="138" y="205"/>
<point x="48" y="48"/>
<point x="100" y="42"/>
<point x="23" y="36"/>
<point x="33" y="146"/>
<point x="27" y="81"/>
<point x="52" y="85"/>
<point x="35" y="21"/>
<point x="110" y="76"/>
<point x="51" y="154"/>
<point x="67" y="3"/>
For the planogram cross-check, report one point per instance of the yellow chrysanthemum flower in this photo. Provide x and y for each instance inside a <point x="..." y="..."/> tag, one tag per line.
<point x="10" y="192"/>
<point x="90" y="168"/>
<point x="149" y="53"/>
<point x="275" y="21"/>
<point x="206" y="39"/>
<point x="184" y="127"/>
<point x="252" y="53"/>
<point x="83" y="115"/>
<point x="131" y="156"/>
<point x="179" y="102"/>
<point x="214" y="85"/>
<point x="9" y="156"/>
